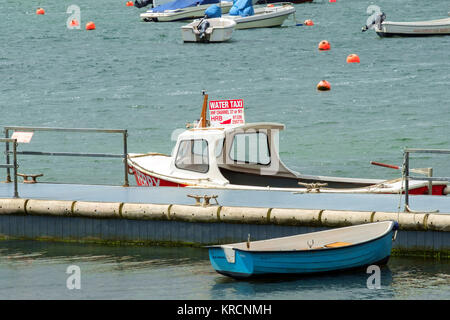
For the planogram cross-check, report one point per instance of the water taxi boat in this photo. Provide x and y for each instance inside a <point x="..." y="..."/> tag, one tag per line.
<point x="317" y="252"/>
<point x="246" y="157"/>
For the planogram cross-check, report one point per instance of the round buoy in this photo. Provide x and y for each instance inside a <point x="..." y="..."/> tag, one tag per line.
<point x="353" y="58"/>
<point x="90" y="26"/>
<point x="332" y="1"/>
<point x="40" y="11"/>
<point x="324" y="85"/>
<point x="74" y="23"/>
<point x="324" y="45"/>
<point x="129" y="4"/>
<point x="308" y="23"/>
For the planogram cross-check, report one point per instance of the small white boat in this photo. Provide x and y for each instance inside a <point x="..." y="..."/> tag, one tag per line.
<point x="409" y="29"/>
<point x="272" y="15"/>
<point x="182" y="10"/>
<point x="208" y="30"/>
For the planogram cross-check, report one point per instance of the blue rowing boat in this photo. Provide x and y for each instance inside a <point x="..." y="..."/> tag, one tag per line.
<point x="323" y="251"/>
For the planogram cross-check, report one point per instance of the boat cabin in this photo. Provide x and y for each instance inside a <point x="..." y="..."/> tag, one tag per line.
<point x="246" y="154"/>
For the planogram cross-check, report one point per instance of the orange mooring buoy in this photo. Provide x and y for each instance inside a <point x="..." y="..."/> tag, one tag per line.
<point x="353" y="58"/>
<point x="40" y="11"/>
<point x="129" y="4"/>
<point x="332" y="1"/>
<point x="324" y="45"/>
<point x="90" y="26"/>
<point x="324" y="85"/>
<point x="308" y="23"/>
<point x="74" y="23"/>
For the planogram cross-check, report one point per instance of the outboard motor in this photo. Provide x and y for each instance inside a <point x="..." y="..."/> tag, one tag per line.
<point x="378" y="20"/>
<point x="142" y="3"/>
<point x="213" y="11"/>
<point x="202" y="26"/>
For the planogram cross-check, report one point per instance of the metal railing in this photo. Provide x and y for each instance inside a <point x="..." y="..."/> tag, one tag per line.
<point x="71" y="154"/>
<point x="10" y="166"/>
<point x="406" y="171"/>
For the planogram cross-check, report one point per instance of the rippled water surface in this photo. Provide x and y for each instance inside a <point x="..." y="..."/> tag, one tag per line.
<point x="37" y="270"/>
<point x="141" y="77"/>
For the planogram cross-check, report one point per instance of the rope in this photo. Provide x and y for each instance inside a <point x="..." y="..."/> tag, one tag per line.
<point x="401" y="188"/>
<point x="296" y="21"/>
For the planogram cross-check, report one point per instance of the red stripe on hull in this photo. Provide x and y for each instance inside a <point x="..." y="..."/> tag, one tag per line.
<point x="145" y="180"/>
<point x="436" y="190"/>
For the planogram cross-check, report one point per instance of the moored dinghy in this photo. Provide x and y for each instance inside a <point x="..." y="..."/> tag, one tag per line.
<point x="182" y="10"/>
<point x="212" y="28"/>
<point x="384" y="28"/>
<point x="324" y="251"/>
<point x="248" y="16"/>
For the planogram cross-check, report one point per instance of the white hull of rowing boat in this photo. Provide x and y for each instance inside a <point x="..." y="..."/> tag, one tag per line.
<point x="220" y="30"/>
<point x="420" y="28"/>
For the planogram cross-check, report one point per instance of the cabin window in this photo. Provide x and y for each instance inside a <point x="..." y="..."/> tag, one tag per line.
<point x="193" y="155"/>
<point x="252" y="148"/>
<point x="219" y="147"/>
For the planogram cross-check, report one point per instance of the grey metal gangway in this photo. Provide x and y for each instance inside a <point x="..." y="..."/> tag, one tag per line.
<point x="406" y="170"/>
<point x="8" y="129"/>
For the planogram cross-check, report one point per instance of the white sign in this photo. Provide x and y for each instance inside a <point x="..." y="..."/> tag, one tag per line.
<point x="226" y="112"/>
<point x="22" y="137"/>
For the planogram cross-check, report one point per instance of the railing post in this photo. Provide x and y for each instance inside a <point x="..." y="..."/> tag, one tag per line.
<point x="8" y="171"/>
<point x="406" y="169"/>
<point x="125" y="155"/>
<point x="430" y="183"/>
<point x="16" y="192"/>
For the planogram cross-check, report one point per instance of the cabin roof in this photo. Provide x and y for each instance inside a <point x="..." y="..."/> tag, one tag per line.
<point x="218" y="131"/>
<point x="257" y="125"/>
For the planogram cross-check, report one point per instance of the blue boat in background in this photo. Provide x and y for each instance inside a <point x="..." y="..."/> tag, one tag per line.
<point x="323" y="251"/>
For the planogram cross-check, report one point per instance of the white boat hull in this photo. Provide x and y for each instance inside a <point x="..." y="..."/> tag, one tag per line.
<point x="264" y="17"/>
<point x="188" y="13"/>
<point x="155" y="178"/>
<point x="414" y="29"/>
<point x="220" y="30"/>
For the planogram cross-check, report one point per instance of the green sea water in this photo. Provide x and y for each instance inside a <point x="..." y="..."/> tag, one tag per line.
<point x="38" y="270"/>
<point x="139" y="76"/>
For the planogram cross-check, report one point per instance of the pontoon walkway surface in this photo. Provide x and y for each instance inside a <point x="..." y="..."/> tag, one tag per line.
<point x="240" y="198"/>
